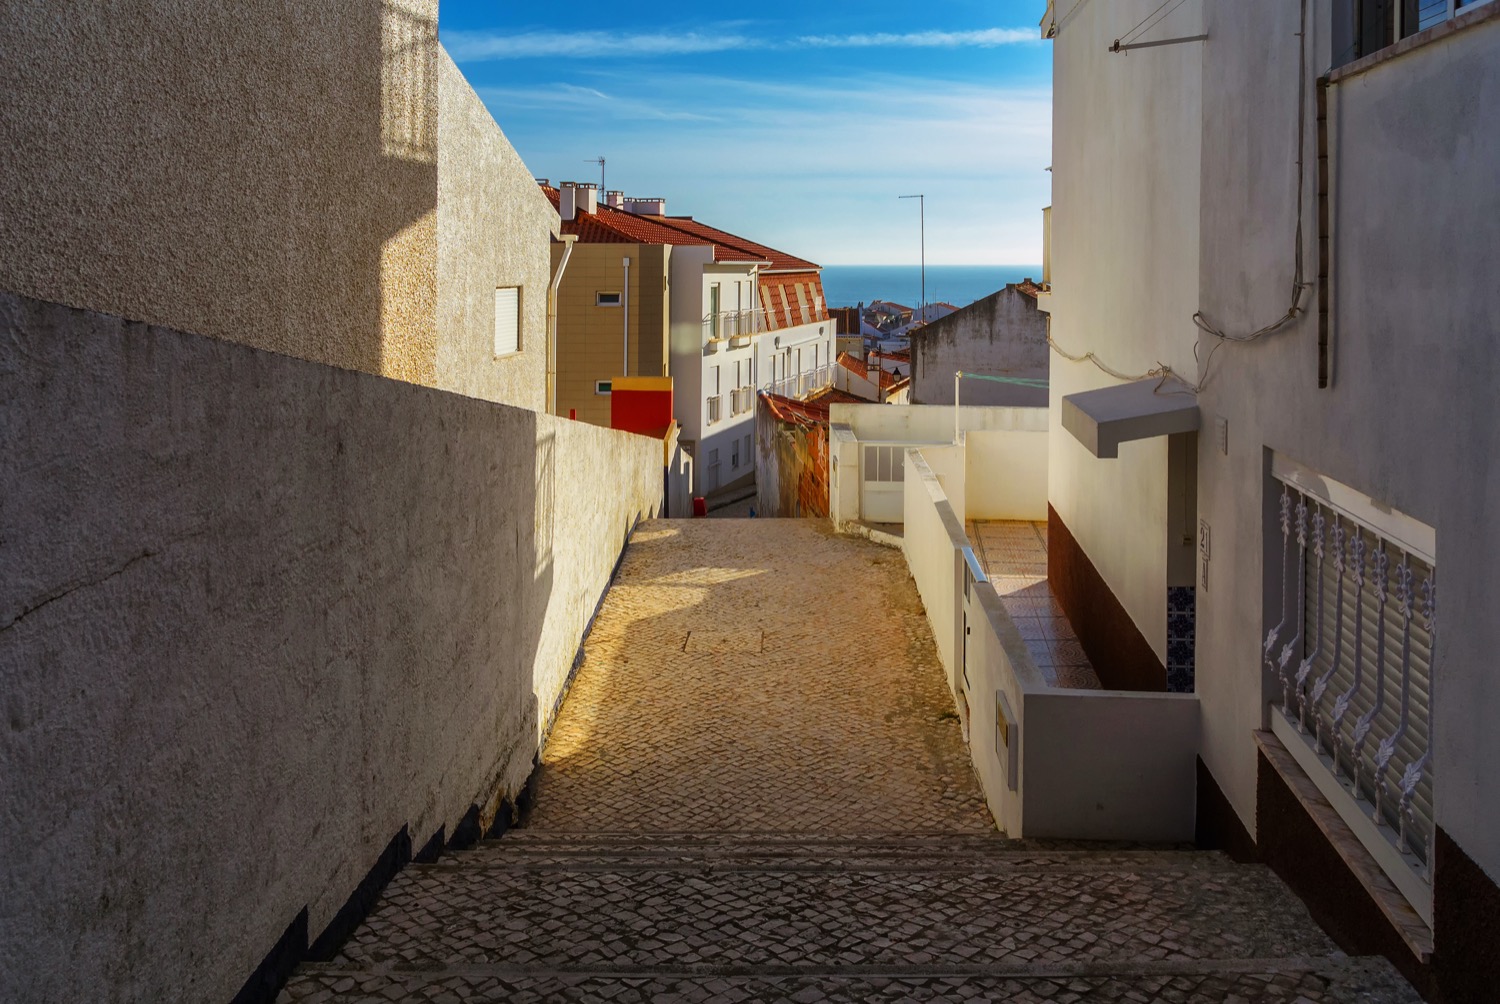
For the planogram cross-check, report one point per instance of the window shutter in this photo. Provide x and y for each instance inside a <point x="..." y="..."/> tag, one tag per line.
<point x="507" y="320"/>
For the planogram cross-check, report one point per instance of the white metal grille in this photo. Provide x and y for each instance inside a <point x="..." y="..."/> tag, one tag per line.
<point x="1353" y="655"/>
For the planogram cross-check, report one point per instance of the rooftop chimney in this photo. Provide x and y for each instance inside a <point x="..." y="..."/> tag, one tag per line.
<point x="576" y="197"/>
<point x="649" y="206"/>
<point x="614" y="199"/>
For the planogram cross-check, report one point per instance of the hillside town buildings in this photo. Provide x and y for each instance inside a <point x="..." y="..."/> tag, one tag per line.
<point x="645" y="293"/>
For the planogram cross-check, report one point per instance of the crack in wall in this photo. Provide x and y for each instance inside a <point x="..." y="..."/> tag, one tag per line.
<point x="72" y="588"/>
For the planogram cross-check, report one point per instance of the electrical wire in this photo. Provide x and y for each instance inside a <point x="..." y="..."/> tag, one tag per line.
<point x="1300" y="285"/>
<point x="1034" y="382"/>
<point x="1143" y="27"/>
<point x="1161" y="370"/>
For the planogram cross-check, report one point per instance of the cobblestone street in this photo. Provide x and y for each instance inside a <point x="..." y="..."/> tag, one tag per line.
<point x="757" y="790"/>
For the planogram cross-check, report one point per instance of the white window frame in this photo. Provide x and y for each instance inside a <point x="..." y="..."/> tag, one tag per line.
<point x="507" y="321"/>
<point x="604" y="387"/>
<point x="601" y="298"/>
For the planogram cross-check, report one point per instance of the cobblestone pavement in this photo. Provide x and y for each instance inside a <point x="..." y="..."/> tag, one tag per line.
<point x="759" y="675"/>
<point x="756" y="791"/>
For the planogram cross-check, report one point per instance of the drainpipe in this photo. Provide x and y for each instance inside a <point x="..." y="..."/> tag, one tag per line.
<point x="562" y="265"/>
<point x="957" y="376"/>
<point x="625" y="297"/>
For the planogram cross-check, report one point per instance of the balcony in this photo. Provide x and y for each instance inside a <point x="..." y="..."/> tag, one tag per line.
<point x="741" y="400"/>
<point x="715" y="408"/>
<point x="735" y="325"/>
<point x="800" y="385"/>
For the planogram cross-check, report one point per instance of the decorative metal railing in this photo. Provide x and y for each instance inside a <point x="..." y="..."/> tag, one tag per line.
<point x="803" y="384"/>
<point x="733" y="323"/>
<point x="1352" y="654"/>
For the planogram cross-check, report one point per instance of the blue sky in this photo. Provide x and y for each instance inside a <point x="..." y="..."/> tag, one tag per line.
<point x="797" y="125"/>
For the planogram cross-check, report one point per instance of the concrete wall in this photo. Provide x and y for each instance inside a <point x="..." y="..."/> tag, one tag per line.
<point x="1007" y="475"/>
<point x="932" y="423"/>
<point x="494" y="227"/>
<point x="1125" y="187"/>
<point x="256" y="616"/>
<point x="1001" y="335"/>
<point x="591" y="342"/>
<point x="1414" y="309"/>
<point x="268" y="173"/>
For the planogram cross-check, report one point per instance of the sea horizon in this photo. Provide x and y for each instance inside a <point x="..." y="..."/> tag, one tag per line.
<point x="960" y="285"/>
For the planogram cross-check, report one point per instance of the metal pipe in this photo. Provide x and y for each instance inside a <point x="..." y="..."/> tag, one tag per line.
<point x="625" y="303"/>
<point x="957" y="376"/>
<point x="568" y="240"/>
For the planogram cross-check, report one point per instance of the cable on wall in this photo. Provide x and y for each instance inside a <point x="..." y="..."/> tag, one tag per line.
<point x="1300" y="285"/>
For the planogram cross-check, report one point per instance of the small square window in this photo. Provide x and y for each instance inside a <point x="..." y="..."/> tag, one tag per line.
<point x="607" y="299"/>
<point x="603" y="387"/>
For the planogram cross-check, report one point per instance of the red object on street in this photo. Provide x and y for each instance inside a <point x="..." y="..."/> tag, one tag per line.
<point x="700" y="506"/>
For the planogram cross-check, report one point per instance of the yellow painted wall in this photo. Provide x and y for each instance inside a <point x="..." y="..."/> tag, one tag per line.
<point x="591" y="339"/>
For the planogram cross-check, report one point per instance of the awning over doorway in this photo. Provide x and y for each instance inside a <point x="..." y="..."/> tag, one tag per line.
<point x="1103" y="419"/>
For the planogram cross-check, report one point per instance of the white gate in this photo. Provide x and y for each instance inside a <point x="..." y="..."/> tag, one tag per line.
<point x="882" y="477"/>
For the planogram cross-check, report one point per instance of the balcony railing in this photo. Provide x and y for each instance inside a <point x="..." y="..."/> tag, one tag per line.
<point x="1352" y="657"/>
<point x="803" y="384"/>
<point x="715" y="408"/>
<point x="733" y="324"/>
<point x="741" y="400"/>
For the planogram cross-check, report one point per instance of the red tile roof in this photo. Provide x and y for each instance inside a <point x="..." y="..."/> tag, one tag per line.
<point x="616" y="226"/>
<point x="813" y="411"/>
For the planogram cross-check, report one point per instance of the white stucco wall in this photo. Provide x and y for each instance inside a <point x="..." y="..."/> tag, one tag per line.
<point x="932" y="423"/>
<point x="256" y="615"/>
<point x="1125" y="249"/>
<point x="1007" y="475"/>
<point x="1414" y="314"/>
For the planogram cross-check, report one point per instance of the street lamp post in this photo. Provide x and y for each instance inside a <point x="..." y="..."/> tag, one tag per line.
<point x="922" y="216"/>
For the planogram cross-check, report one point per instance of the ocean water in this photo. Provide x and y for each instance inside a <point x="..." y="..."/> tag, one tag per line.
<point x="960" y="285"/>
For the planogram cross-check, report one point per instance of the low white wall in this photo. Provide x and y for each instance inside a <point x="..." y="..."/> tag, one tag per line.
<point x="1107" y="765"/>
<point x="258" y="615"/>
<point x="1007" y="475"/>
<point x="929" y="540"/>
<point x="1102" y="765"/>
<point x="950" y="465"/>
<point x="843" y="475"/>
<point x="920" y="423"/>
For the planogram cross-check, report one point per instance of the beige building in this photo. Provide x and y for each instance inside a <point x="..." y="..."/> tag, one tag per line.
<point x="365" y="212"/>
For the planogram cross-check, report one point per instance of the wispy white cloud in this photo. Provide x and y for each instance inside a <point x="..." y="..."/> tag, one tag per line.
<point x="476" y="46"/>
<point x="985" y="38"/>
<point x="571" y="97"/>
<point x="473" y="46"/>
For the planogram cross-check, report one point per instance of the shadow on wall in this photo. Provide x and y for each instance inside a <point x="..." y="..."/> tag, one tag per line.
<point x="267" y="629"/>
<point x="263" y="172"/>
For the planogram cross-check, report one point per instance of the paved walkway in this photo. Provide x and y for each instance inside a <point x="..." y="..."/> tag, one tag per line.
<point x="757" y="791"/>
<point x="1013" y="554"/>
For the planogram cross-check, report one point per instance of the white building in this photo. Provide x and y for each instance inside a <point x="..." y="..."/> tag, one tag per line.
<point x="1281" y="218"/>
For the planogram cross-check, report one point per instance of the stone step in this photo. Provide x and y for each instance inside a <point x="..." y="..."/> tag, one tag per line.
<point x="645" y="918"/>
<point x="1299" y="981"/>
<point x="823" y="853"/>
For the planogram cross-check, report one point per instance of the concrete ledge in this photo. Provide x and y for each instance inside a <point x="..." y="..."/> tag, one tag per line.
<point x="1404" y="920"/>
<point x="1103" y="419"/>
